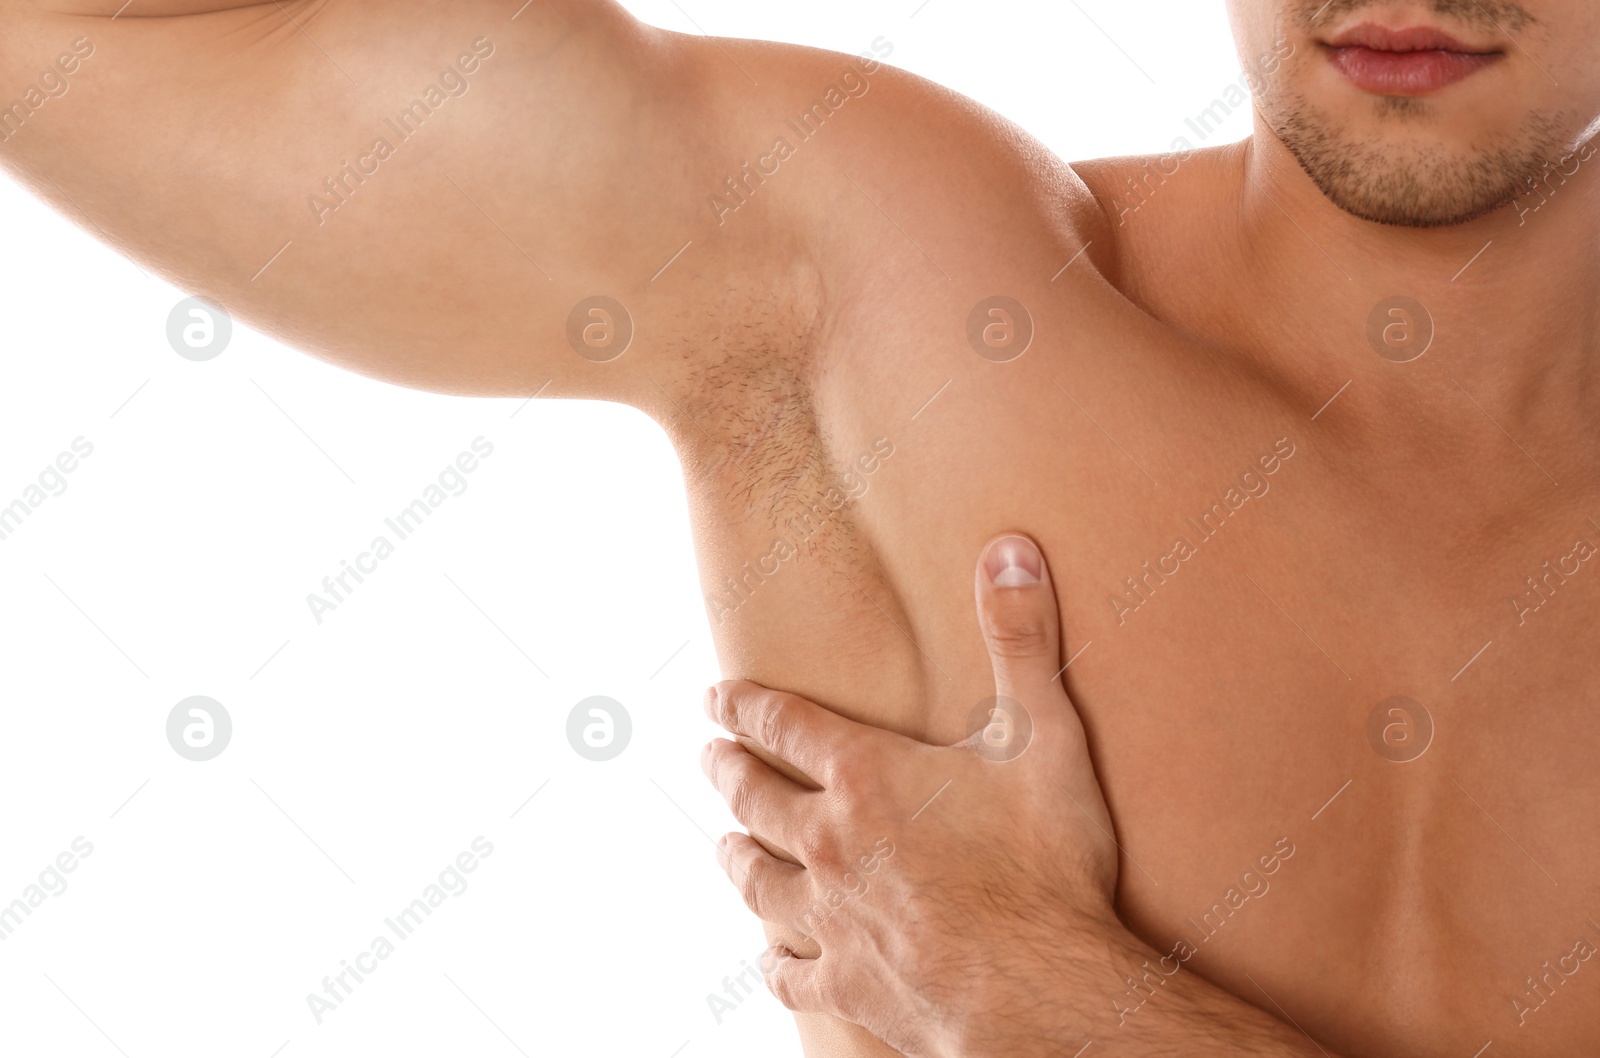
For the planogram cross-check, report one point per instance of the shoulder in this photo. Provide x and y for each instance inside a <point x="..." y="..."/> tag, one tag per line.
<point x="840" y="205"/>
<point x="947" y="169"/>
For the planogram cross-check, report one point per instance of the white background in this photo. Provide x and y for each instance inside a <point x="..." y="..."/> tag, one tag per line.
<point x="369" y="751"/>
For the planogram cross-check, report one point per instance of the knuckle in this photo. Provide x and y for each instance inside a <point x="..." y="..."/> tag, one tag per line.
<point x="775" y="727"/>
<point x="843" y="806"/>
<point x="1016" y="632"/>
<point x="773" y="719"/>
<point x="729" y="694"/>
<point x="740" y="795"/>
<point x="780" y="983"/>
<point x="853" y="783"/>
<point x="790" y="980"/>
<point x="819" y="850"/>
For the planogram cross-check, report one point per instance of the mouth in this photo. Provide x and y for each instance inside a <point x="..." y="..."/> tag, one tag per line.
<point x="1415" y="61"/>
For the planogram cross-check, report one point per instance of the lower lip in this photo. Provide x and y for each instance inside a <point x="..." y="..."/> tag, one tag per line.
<point x="1406" y="73"/>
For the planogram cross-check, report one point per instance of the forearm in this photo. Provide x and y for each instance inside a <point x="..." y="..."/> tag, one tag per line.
<point x="1111" y="988"/>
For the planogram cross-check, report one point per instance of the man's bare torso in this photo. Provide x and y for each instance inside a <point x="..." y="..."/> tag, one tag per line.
<point x="1246" y="575"/>
<point x="1261" y="530"/>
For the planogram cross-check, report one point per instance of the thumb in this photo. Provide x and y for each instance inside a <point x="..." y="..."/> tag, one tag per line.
<point x="1017" y="613"/>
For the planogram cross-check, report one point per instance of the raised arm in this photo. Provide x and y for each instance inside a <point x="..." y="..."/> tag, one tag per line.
<point x="421" y="192"/>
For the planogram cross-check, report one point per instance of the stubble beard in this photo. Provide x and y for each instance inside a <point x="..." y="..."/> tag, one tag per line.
<point x="1413" y="184"/>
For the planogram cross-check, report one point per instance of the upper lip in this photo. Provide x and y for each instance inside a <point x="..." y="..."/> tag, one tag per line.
<point x="1412" y="38"/>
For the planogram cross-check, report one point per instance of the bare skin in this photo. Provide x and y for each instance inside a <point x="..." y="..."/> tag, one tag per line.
<point x="821" y="329"/>
<point x="978" y="925"/>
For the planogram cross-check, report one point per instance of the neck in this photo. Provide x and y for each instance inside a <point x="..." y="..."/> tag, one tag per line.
<point x="1513" y="296"/>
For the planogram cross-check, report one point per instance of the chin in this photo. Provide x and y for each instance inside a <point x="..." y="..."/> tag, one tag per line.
<point x="1426" y="180"/>
<point x="1400" y="199"/>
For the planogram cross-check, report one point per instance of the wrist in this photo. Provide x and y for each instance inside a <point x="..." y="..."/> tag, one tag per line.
<point x="1054" y="991"/>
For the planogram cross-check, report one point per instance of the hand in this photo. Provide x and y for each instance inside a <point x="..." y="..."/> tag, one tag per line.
<point x="951" y="889"/>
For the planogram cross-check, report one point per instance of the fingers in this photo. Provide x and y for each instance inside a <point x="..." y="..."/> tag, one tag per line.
<point x="798" y="732"/>
<point x="818" y="986"/>
<point x="764" y="801"/>
<point x="1018" y="615"/>
<point x="775" y="891"/>
<point x="796" y="982"/>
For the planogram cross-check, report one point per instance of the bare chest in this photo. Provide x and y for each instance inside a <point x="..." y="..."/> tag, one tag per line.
<point x="1348" y="739"/>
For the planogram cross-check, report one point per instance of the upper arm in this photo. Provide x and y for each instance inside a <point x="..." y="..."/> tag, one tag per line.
<point x="420" y="192"/>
